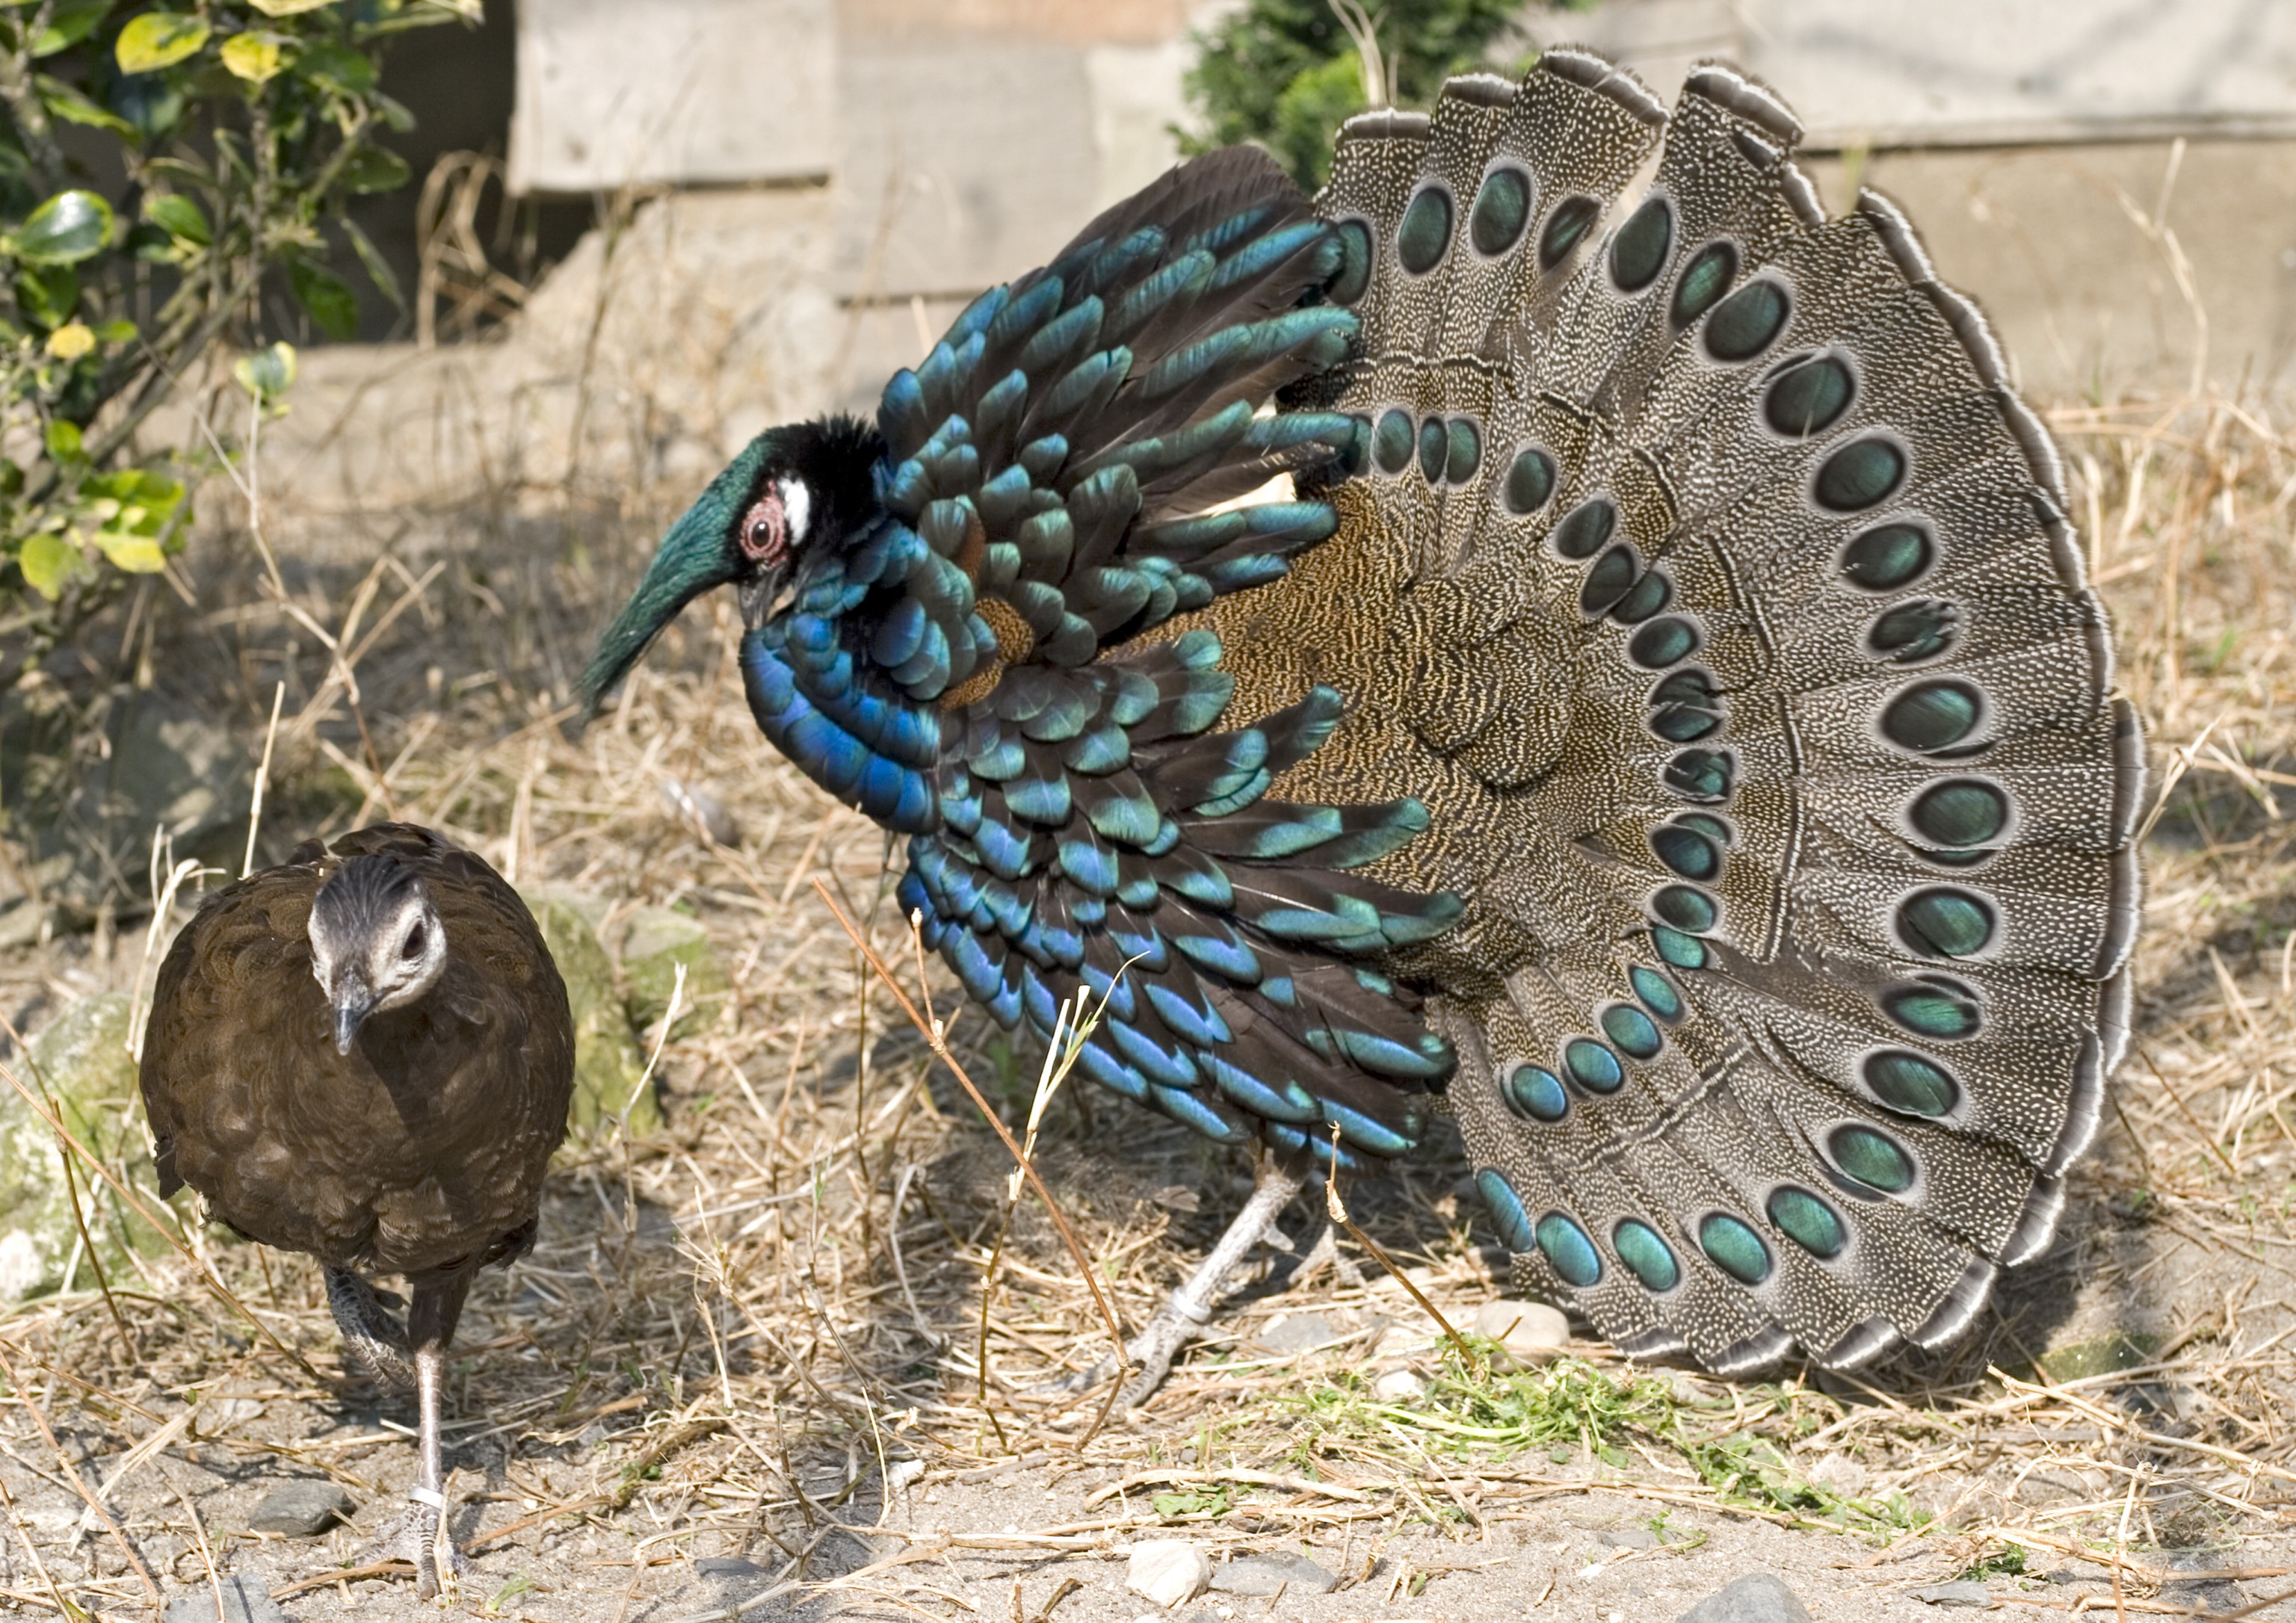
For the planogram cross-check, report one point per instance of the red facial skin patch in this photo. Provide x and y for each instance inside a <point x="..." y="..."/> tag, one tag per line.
<point x="765" y="531"/>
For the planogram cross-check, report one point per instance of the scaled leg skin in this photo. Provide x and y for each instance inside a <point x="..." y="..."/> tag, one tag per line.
<point x="374" y="1334"/>
<point x="1191" y="1307"/>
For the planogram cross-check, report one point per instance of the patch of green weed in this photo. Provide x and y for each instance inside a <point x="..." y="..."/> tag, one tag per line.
<point x="2007" y="1561"/>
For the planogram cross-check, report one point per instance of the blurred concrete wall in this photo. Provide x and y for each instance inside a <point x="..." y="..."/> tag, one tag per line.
<point x="2113" y="183"/>
<point x="2116" y="183"/>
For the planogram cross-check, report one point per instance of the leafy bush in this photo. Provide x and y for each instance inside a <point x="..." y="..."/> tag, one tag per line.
<point x="1286" y="73"/>
<point x="161" y="171"/>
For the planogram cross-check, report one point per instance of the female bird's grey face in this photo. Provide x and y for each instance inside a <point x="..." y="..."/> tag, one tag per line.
<point x="376" y="942"/>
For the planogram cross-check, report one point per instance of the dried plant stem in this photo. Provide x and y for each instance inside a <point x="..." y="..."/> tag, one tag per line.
<point x="936" y="1034"/>
<point x="166" y="1231"/>
<point x="71" y="1189"/>
<point x="1339" y="1213"/>
<point x="262" y="779"/>
<point x="71" y="1474"/>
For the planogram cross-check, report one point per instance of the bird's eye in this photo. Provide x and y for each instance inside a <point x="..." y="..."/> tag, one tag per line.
<point x="413" y="948"/>
<point x="766" y="530"/>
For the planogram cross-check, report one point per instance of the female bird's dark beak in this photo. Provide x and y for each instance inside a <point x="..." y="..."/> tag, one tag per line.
<point x="353" y="1004"/>
<point x="695" y="556"/>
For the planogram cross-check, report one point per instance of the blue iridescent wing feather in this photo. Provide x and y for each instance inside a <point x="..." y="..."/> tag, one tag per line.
<point x="980" y="672"/>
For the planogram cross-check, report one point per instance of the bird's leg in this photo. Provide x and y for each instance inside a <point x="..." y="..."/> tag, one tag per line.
<point x="421" y="1535"/>
<point x="375" y="1338"/>
<point x="1190" y="1308"/>
<point x="428" y="1492"/>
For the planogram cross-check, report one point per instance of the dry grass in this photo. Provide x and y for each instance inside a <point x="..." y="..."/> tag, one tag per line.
<point x="732" y="1331"/>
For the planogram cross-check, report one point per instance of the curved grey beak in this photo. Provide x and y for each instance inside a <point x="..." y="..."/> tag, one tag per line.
<point x="353" y="1004"/>
<point x="692" y="559"/>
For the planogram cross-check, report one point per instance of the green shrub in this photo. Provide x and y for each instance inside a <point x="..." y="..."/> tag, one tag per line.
<point x="161" y="171"/>
<point x="1286" y="72"/>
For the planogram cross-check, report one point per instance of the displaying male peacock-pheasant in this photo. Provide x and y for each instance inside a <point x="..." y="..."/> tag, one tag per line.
<point x="1666" y="717"/>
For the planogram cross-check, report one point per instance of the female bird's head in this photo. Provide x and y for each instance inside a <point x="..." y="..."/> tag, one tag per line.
<point x="376" y="941"/>
<point x="781" y="509"/>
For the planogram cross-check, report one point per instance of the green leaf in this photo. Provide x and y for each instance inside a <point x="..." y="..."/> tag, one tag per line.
<point x="337" y="68"/>
<point x="69" y="21"/>
<point x="157" y="40"/>
<point x="179" y="167"/>
<point x="397" y="16"/>
<point x="326" y="296"/>
<point x="68" y="227"/>
<point x="394" y="113"/>
<point x="134" y="554"/>
<point x="150" y="102"/>
<point x="256" y="56"/>
<point x="48" y="294"/>
<point x="178" y="217"/>
<point x="48" y="561"/>
<point x="63" y="440"/>
<point x="375" y="168"/>
<point x="377" y="268"/>
<point x="67" y="102"/>
<point x="154" y="246"/>
<point x="287" y="8"/>
<point x="267" y="373"/>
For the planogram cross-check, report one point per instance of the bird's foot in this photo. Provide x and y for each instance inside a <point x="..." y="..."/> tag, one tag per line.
<point x="1190" y="1308"/>
<point x="417" y="1535"/>
<point x="1150" y="1353"/>
<point x="375" y="1336"/>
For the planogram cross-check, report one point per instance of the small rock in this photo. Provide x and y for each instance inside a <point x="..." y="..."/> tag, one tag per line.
<point x="1631" y="1538"/>
<point x="1271" y="1573"/>
<point x="1168" y="1570"/>
<point x="1529" y="1332"/>
<point x="728" y="1566"/>
<point x="1961" y="1592"/>
<point x="302" y="1509"/>
<point x="1759" y="1597"/>
<point x="1398" y="1386"/>
<point x="1299" y="1332"/>
<point x="2203" y="1594"/>
<point x="901" y="1474"/>
<point x="698" y="808"/>
<point x="245" y="1599"/>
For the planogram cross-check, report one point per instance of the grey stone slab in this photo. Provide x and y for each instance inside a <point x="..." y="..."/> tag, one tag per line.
<point x="1273" y="1572"/>
<point x="1980" y="72"/>
<point x="977" y="162"/>
<point x="1759" y="1597"/>
<point x="611" y="95"/>
<point x="302" y="1508"/>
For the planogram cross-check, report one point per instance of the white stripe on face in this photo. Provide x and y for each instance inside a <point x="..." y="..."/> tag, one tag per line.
<point x="796" y="503"/>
